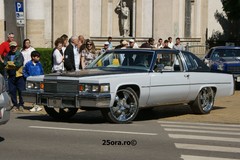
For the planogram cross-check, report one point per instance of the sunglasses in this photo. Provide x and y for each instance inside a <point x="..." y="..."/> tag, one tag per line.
<point x="89" y="44"/>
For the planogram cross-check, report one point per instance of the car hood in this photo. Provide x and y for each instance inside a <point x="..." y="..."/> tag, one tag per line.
<point x="230" y="60"/>
<point x="97" y="72"/>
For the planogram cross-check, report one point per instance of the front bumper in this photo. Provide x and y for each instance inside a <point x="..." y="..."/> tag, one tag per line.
<point x="5" y="106"/>
<point x="69" y="100"/>
<point x="236" y="77"/>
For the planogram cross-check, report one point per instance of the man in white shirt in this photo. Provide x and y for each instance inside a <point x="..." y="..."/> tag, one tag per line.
<point x="170" y="43"/>
<point x="178" y="45"/>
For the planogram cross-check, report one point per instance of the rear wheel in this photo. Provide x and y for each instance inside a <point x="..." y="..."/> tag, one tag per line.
<point x="59" y="113"/>
<point x="125" y="107"/>
<point x="203" y="104"/>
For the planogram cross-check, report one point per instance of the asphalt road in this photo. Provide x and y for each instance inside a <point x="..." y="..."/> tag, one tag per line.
<point x="29" y="136"/>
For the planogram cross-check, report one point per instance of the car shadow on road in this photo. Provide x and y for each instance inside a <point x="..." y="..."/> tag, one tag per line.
<point x="1" y="139"/>
<point x="95" y="116"/>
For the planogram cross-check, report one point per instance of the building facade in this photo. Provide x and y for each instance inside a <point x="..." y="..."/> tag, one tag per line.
<point x="45" y="20"/>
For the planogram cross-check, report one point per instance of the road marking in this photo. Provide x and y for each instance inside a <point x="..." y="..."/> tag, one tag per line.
<point x="200" y="124"/>
<point x="209" y="138"/>
<point x="207" y="148"/>
<point x="190" y="157"/>
<point x="201" y="131"/>
<point x="92" y="130"/>
<point x="199" y="127"/>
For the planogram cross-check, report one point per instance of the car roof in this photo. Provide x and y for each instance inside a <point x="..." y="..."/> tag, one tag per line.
<point x="226" y="47"/>
<point x="144" y="49"/>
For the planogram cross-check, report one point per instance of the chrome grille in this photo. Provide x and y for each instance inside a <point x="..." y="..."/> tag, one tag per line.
<point x="233" y="69"/>
<point x="61" y="87"/>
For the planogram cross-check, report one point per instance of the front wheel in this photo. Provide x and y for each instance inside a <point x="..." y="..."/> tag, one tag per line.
<point x="59" y="113"/>
<point x="125" y="107"/>
<point x="203" y="104"/>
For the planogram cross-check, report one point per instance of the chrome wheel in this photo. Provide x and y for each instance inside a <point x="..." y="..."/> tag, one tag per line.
<point x="125" y="107"/>
<point x="204" y="101"/>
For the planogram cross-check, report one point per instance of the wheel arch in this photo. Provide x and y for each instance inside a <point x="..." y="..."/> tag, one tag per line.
<point x="135" y="87"/>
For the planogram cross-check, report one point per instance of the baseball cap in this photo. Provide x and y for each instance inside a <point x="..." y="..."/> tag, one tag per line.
<point x="106" y="43"/>
<point x="131" y="40"/>
<point x="13" y="43"/>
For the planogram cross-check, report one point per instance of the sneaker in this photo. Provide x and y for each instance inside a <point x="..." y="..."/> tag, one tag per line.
<point x="36" y="109"/>
<point x="14" y="108"/>
<point x="21" y="108"/>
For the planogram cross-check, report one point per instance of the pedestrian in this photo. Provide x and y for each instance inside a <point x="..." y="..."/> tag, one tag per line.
<point x="124" y="44"/>
<point x="58" y="56"/>
<point x="160" y="43"/>
<point x="178" y="45"/>
<point x="13" y="63"/>
<point x="148" y="44"/>
<point x="132" y="44"/>
<point x="26" y="51"/>
<point x="33" y="68"/>
<point x="72" y="56"/>
<point x="104" y="49"/>
<point x="4" y="49"/>
<point x="88" y="54"/>
<point x="165" y="44"/>
<point x="120" y="45"/>
<point x="64" y="38"/>
<point x="170" y="42"/>
<point x="110" y="46"/>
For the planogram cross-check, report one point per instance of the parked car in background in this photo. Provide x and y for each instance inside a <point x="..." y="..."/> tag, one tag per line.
<point x="5" y="102"/>
<point x="121" y="82"/>
<point x="224" y="59"/>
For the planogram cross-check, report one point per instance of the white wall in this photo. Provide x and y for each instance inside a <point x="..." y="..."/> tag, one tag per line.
<point x="1" y="10"/>
<point x="35" y="9"/>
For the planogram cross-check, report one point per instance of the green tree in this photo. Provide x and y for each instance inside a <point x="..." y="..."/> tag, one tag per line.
<point x="232" y="9"/>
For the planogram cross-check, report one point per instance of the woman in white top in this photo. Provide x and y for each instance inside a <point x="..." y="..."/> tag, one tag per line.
<point x="58" y="57"/>
<point x="26" y="51"/>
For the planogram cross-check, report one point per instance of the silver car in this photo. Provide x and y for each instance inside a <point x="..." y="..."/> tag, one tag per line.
<point x="5" y="102"/>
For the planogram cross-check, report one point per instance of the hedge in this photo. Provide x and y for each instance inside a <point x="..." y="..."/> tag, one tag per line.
<point x="46" y="58"/>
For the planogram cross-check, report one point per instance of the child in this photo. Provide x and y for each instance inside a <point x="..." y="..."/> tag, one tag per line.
<point x="33" y="68"/>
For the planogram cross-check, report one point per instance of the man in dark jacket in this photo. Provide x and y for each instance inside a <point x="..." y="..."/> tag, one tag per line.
<point x="72" y="56"/>
<point x="14" y="65"/>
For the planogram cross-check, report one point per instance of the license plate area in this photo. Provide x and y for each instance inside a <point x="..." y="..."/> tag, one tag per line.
<point x="55" y="102"/>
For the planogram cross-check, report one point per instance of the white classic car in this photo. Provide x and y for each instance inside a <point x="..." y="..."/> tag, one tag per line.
<point x="120" y="82"/>
<point x="5" y="102"/>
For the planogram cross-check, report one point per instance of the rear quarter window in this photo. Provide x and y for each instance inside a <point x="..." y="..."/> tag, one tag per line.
<point x="194" y="63"/>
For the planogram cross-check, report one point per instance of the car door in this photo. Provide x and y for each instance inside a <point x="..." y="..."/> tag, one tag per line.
<point x="170" y="84"/>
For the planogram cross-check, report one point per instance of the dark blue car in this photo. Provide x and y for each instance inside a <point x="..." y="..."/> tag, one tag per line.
<point x="224" y="59"/>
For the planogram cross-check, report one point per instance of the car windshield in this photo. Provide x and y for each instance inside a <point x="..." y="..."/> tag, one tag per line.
<point x="221" y="53"/>
<point x="124" y="59"/>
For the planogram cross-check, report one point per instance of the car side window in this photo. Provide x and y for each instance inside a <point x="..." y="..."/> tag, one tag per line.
<point x="209" y="54"/>
<point x="169" y="62"/>
<point x="194" y="63"/>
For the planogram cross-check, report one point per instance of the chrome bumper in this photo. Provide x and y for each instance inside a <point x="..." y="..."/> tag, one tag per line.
<point x="63" y="100"/>
<point x="236" y="77"/>
<point x="5" y="106"/>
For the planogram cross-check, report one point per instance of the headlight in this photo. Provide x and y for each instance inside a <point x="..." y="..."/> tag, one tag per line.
<point x="33" y="85"/>
<point x="96" y="88"/>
